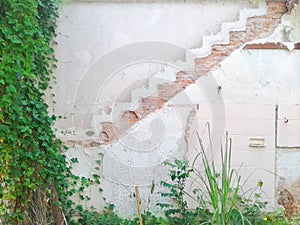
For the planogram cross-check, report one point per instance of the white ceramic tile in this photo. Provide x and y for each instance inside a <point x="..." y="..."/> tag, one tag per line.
<point x="289" y="111"/>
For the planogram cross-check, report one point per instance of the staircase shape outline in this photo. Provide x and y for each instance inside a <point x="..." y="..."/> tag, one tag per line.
<point x="208" y="41"/>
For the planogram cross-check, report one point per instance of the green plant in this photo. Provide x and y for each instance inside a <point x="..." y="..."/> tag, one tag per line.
<point x="35" y="178"/>
<point x="253" y="208"/>
<point x="36" y="181"/>
<point x="108" y="216"/>
<point x="221" y="189"/>
<point x="276" y="218"/>
<point x="150" y="219"/>
<point x="218" y="193"/>
<point x="92" y="217"/>
<point x="179" y="172"/>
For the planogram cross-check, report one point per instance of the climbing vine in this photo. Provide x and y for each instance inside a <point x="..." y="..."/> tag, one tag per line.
<point x="35" y="178"/>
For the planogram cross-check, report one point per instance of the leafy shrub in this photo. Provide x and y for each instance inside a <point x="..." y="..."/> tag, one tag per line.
<point x="218" y="195"/>
<point x="179" y="172"/>
<point x="109" y="217"/>
<point x="36" y="181"/>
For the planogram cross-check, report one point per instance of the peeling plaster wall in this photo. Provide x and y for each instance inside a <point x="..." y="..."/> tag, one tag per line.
<point x="258" y="81"/>
<point x="89" y="31"/>
<point x="92" y="38"/>
<point x="261" y="92"/>
<point x="287" y="116"/>
<point x="263" y="76"/>
<point x="109" y="52"/>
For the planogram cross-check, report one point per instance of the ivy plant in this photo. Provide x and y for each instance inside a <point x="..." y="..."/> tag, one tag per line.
<point x="35" y="178"/>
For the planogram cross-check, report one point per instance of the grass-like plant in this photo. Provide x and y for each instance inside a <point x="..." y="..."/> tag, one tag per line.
<point x="219" y="190"/>
<point x="216" y="188"/>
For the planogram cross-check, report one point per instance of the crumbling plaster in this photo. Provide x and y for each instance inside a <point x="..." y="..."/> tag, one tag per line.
<point x="100" y="28"/>
<point x="288" y="31"/>
<point x="239" y="94"/>
<point x="291" y="24"/>
<point x="288" y="111"/>
<point x="270" y="78"/>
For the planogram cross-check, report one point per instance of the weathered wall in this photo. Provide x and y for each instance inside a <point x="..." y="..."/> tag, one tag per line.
<point x="87" y="31"/>
<point x="88" y="54"/>
<point x="129" y="86"/>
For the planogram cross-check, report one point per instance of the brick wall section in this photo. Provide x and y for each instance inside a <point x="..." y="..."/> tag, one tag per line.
<point x="287" y="200"/>
<point x="256" y="28"/>
<point x="183" y="79"/>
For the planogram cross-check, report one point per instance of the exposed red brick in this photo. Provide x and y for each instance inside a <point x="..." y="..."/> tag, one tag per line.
<point x="149" y="104"/>
<point x="270" y="46"/>
<point x="256" y="28"/>
<point x="108" y="133"/>
<point x="103" y="137"/>
<point x="167" y="91"/>
<point x="276" y="7"/>
<point x="127" y="119"/>
<point x="286" y="199"/>
<point x="130" y="116"/>
<point x="185" y="77"/>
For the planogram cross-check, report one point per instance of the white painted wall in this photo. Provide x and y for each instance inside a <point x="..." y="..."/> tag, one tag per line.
<point x="100" y="47"/>
<point x="87" y="31"/>
<point x="253" y="82"/>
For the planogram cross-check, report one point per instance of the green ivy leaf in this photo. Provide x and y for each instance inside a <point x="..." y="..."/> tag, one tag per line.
<point x="11" y="89"/>
<point x="74" y="160"/>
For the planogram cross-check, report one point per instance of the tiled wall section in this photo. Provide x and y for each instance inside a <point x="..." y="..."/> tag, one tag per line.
<point x="288" y="150"/>
<point x="288" y="126"/>
<point x="244" y="122"/>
